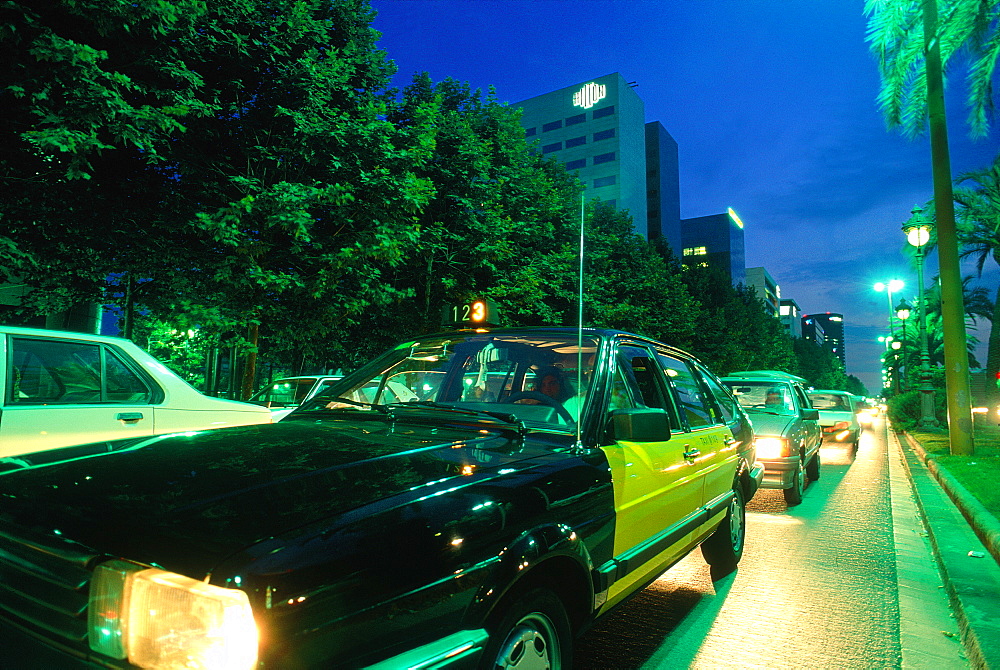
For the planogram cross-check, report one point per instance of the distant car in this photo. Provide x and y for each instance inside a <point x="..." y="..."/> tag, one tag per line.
<point x="867" y="411"/>
<point x="64" y="388"/>
<point x="283" y="395"/>
<point x="552" y="474"/>
<point x="785" y="427"/>
<point x="837" y="416"/>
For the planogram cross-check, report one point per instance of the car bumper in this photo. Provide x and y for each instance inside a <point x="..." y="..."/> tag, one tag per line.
<point x="756" y="478"/>
<point x="779" y="473"/>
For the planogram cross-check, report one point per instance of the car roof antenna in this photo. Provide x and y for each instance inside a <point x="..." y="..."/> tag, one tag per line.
<point x="579" y="336"/>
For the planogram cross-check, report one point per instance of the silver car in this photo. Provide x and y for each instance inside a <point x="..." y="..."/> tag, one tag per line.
<point x="786" y="428"/>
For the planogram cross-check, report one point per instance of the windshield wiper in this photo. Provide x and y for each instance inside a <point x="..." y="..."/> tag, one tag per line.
<point x="323" y="403"/>
<point x="499" y="416"/>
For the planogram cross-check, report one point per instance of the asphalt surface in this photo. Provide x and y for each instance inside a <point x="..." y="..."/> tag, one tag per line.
<point x="872" y="570"/>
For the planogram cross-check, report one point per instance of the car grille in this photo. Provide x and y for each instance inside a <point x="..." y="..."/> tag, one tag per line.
<point x="44" y="588"/>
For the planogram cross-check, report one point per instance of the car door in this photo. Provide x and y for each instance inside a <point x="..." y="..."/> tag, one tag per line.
<point x="710" y="447"/>
<point x="60" y="393"/>
<point x="657" y="490"/>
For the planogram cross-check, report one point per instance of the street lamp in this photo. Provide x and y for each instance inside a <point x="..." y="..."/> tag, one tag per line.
<point x="903" y="313"/>
<point x="918" y="233"/>
<point x="893" y="286"/>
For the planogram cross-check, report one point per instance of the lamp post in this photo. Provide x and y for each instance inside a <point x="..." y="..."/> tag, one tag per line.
<point x="890" y="287"/>
<point x="903" y="313"/>
<point x="918" y="234"/>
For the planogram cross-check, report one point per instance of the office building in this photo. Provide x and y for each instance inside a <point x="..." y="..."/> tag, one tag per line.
<point x="791" y="317"/>
<point x="715" y="241"/>
<point x="833" y="332"/>
<point x="767" y="289"/>
<point x="598" y="130"/>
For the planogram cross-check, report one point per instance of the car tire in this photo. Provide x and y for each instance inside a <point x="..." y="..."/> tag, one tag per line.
<point x="793" y="494"/>
<point x="812" y="467"/>
<point x="532" y="632"/>
<point x="723" y="549"/>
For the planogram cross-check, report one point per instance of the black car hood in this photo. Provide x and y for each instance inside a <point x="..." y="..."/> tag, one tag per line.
<point x="190" y="499"/>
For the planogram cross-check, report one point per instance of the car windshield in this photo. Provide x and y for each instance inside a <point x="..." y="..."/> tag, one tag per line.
<point x="830" y="401"/>
<point x="543" y="380"/>
<point x="762" y="394"/>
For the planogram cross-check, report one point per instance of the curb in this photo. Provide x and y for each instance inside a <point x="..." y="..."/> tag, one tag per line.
<point x="954" y="520"/>
<point x="985" y="525"/>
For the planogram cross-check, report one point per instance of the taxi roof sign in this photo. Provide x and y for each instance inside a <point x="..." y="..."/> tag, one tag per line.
<point x="472" y="314"/>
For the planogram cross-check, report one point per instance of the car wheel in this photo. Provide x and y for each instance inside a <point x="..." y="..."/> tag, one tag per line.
<point x="793" y="494"/>
<point x="532" y="633"/>
<point x="724" y="548"/>
<point x="812" y="468"/>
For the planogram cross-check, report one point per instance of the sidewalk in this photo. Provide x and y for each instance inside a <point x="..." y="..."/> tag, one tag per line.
<point x="966" y="542"/>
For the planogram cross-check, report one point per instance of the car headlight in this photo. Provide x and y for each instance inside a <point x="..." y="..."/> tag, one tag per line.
<point x="159" y="619"/>
<point x="771" y="447"/>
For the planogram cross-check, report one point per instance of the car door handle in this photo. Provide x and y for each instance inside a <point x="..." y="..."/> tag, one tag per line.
<point x="129" y="417"/>
<point x="690" y="453"/>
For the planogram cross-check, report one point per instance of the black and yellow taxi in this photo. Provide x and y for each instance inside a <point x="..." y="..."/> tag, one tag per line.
<point x="534" y="479"/>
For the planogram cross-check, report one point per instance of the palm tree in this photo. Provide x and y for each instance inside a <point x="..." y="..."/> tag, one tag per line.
<point x="913" y="41"/>
<point x="979" y="233"/>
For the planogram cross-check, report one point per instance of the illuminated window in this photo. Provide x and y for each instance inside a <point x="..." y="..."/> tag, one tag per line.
<point x="551" y="147"/>
<point x="605" y="181"/>
<point x="576" y="141"/>
<point x="604" y="111"/>
<point x="573" y="120"/>
<point x="695" y="251"/>
<point x="552" y="125"/>
<point x="530" y="132"/>
<point x="577" y="164"/>
<point x="604" y="134"/>
<point x="604" y="158"/>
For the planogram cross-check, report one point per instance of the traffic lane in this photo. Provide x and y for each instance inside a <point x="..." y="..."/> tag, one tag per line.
<point x="816" y="586"/>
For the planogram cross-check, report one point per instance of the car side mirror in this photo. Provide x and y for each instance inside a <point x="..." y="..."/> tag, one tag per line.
<point x="649" y="424"/>
<point x="810" y="414"/>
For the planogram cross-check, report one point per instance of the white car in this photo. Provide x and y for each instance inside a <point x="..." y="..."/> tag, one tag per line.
<point x="838" y="416"/>
<point x="64" y="388"/>
<point x="283" y="395"/>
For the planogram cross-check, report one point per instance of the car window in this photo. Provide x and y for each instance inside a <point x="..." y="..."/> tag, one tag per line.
<point x="724" y="401"/>
<point x="542" y="379"/>
<point x="830" y="401"/>
<point x="802" y="397"/>
<point x="762" y="394"/>
<point x="639" y="382"/>
<point x="50" y="371"/>
<point x="695" y="407"/>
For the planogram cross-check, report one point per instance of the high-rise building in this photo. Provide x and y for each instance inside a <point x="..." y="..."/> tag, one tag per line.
<point x="715" y="241"/>
<point x="767" y="289"/>
<point x="833" y="332"/>
<point x="598" y="130"/>
<point x="791" y="317"/>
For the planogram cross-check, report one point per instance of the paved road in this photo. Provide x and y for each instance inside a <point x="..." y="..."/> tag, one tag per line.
<point x="844" y="580"/>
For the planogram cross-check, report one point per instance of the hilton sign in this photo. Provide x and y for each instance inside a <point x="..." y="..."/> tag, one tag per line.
<point x="589" y="95"/>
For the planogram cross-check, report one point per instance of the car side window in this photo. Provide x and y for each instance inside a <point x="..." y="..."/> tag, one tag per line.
<point x="800" y="395"/>
<point x="724" y="402"/>
<point x="47" y="371"/>
<point x="693" y="403"/>
<point x="639" y="382"/>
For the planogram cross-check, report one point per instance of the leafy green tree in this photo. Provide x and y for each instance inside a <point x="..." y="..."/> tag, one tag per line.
<point x="819" y="366"/>
<point x="734" y="331"/>
<point x="913" y="41"/>
<point x="979" y="233"/>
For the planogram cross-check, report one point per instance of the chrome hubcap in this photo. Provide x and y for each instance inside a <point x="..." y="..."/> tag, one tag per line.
<point x="528" y="647"/>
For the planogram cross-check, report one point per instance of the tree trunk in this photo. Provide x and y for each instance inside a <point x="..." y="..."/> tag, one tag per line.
<point x="250" y="371"/>
<point x="952" y="309"/>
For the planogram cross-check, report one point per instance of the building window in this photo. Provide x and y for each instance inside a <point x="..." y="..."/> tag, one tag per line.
<point x="548" y="148"/>
<point x="573" y="120"/>
<point x="604" y="134"/>
<point x="577" y="164"/>
<point x="530" y="132"/>
<point x="604" y="158"/>
<point x="553" y="125"/>
<point x="695" y="251"/>
<point x="576" y="141"/>
<point x="604" y="111"/>
<point x="605" y="181"/>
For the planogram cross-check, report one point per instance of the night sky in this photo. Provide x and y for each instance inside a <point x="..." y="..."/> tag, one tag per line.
<point x="772" y="104"/>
